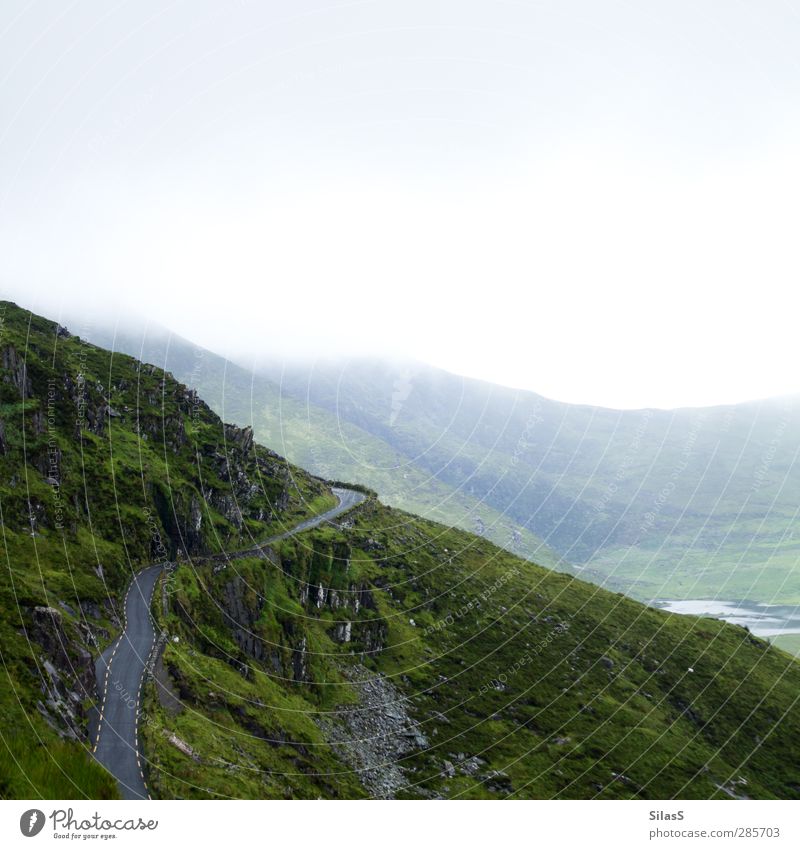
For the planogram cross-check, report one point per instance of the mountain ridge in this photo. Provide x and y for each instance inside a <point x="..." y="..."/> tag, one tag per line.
<point x="107" y="464"/>
<point x="659" y="504"/>
<point x="382" y="655"/>
<point x="315" y="441"/>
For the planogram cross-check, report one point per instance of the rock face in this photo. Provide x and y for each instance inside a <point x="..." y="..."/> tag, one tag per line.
<point x="240" y="437"/>
<point x="287" y="657"/>
<point x="16" y="371"/>
<point x="65" y="668"/>
<point x="376" y="734"/>
<point x="357" y="620"/>
<point x="75" y="396"/>
<point x="242" y="608"/>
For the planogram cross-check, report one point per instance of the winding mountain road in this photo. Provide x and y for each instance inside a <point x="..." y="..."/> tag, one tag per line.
<point x="121" y="667"/>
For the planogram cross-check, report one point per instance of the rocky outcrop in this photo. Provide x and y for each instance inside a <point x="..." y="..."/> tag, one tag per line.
<point x="240" y="438"/>
<point x="300" y="655"/>
<point x="242" y="608"/>
<point x="181" y="745"/>
<point x="372" y="635"/>
<point x="366" y="637"/>
<point x="16" y="372"/>
<point x="376" y="735"/>
<point x="352" y="599"/>
<point x="65" y="669"/>
<point x="356" y="619"/>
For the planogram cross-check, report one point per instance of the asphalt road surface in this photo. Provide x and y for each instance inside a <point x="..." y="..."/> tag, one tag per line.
<point x="347" y="498"/>
<point x="120" y="669"/>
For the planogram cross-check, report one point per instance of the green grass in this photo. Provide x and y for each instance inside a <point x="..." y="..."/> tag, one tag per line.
<point x="48" y="768"/>
<point x="667" y="503"/>
<point x="594" y="685"/>
<point x="559" y="688"/>
<point x="788" y="642"/>
<point x="765" y="572"/>
<point x="155" y="474"/>
<point x="252" y="739"/>
<point x="317" y="440"/>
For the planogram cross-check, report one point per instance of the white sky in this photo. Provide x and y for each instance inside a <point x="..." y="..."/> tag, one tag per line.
<point x="597" y="201"/>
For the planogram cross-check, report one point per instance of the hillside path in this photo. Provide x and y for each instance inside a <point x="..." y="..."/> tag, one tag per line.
<point x="120" y="669"/>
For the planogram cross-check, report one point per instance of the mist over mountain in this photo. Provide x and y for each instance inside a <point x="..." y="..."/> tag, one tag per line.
<point x="378" y="654"/>
<point x="686" y="503"/>
<point x="682" y="502"/>
<point x="399" y="401"/>
<point x="319" y="440"/>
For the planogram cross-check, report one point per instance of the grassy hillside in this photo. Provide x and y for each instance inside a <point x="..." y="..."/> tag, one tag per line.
<point x="105" y="464"/>
<point x="658" y="504"/>
<point x="679" y="504"/>
<point x="788" y="642"/>
<point x="315" y="438"/>
<point x="437" y="665"/>
<point x="384" y="656"/>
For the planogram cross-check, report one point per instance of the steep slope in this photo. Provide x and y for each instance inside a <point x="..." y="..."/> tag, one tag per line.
<point x="434" y="664"/>
<point x="682" y="504"/>
<point x="385" y="656"/>
<point x="320" y="441"/>
<point x="105" y="464"/>
<point x="687" y="503"/>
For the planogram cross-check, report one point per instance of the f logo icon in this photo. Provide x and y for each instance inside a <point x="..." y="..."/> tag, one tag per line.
<point x="31" y="822"/>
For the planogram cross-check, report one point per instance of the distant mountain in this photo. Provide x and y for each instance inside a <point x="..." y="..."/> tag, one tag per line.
<point x="383" y="655"/>
<point x="686" y="503"/>
<point x="316" y="438"/>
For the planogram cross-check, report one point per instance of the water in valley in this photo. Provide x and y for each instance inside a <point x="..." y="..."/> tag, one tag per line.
<point x="763" y="620"/>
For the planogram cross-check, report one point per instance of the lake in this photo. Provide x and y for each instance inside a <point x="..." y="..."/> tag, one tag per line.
<point x="763" y="620"/>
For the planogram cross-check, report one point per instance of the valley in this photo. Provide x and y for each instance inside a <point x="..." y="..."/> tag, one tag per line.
<point x="378" y="654"/>
<point x="690" y="503"/>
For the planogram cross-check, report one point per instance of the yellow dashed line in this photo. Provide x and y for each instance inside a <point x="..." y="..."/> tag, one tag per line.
<point x="138" y="695"/>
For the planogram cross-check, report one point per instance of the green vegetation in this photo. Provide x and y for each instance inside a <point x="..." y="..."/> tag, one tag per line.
<point x="687" y="503"/>
<point x="525" y="682"/>
<point x="43" y="767"/>
<point x="384" y="655"/>
<point x="788" y="642"/>
<point x="252" y="733"/>
<point x="316" y="438"/>
<point x="105" y="464"/>
<point x="676" y="504"/>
